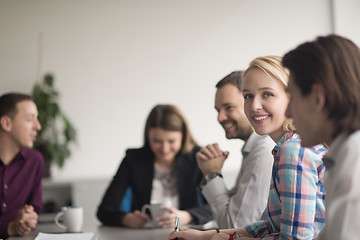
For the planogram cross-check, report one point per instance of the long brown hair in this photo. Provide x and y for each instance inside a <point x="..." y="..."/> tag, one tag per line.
<point x="169" y="117"/>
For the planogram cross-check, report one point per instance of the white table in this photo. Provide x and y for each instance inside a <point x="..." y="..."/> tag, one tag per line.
<point x="105" y="233"/>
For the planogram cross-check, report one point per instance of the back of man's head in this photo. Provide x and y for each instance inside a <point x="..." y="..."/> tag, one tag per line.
<point x="8" y="103"/>
<point x="234" y="78"/>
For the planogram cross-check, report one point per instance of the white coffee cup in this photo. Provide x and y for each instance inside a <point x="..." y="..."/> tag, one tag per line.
<point x="72" y="218"/>
<point x="155" y="211"/>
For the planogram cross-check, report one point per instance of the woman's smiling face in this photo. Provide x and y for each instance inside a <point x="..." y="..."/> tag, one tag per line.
<point x="265" y="103"/>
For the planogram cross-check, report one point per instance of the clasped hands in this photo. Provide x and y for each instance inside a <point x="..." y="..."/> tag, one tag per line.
<point x="211" y="158"/>
<point x="24" y="222"/>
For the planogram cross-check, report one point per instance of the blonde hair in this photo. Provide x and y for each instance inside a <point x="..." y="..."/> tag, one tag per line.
<point x="272" y="66"/>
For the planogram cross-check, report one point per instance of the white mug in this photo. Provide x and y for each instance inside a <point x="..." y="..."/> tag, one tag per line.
<point x="72" y="218"/>
<point x="155" y="212"/>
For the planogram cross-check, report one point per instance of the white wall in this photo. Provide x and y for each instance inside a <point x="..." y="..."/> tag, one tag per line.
<point x="347" y="19"/>
<point x="113" y="60"/>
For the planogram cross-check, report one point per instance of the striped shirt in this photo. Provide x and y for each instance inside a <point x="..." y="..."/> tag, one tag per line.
<point x="296" y="205"/>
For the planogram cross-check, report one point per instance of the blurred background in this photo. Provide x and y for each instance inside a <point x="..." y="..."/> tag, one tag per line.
<point x="113" y="60"/>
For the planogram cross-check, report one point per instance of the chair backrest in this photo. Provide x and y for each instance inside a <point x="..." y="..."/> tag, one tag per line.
<point x="126" y="202"/>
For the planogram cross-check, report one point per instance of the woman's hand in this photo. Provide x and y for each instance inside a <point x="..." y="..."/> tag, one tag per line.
<point x="220" y="236"/>
<point x="192" y="234"/>
<point x="240" y="233"/>
<point x="135" y="219"/>
<point x="226" y="236"/>
<point x="168" y="220"/>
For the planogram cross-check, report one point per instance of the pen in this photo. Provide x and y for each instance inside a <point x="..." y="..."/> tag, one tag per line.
<point x="176" y="225"/>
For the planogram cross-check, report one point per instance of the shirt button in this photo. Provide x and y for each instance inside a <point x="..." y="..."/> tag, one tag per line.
<point x="4" y="205"/>
<point x="6" y="186"/>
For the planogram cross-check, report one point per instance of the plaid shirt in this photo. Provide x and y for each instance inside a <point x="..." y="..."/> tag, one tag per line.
<point x="296" y="205"/>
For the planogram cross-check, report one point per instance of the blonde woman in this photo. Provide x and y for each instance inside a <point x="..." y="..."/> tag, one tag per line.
<point x="296" y="204"/>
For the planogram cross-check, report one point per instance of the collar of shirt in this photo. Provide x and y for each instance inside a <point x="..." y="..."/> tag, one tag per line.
<point x="20" y="156"/>
<point x="250" y="144"/>
<point x="285" y="137"/>
<point x="332" y="157"/>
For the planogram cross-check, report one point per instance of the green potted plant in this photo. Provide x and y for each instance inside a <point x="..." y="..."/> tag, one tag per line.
<point x="57" y="133"/>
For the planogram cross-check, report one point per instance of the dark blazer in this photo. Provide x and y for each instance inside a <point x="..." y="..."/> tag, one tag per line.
<point x="137" y="171"/>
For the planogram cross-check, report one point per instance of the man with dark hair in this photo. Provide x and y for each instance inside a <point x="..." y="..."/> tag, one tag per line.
<point x="21" y="169"/>
<point x="247" y="200"/>
<point x="324" y="89"/>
